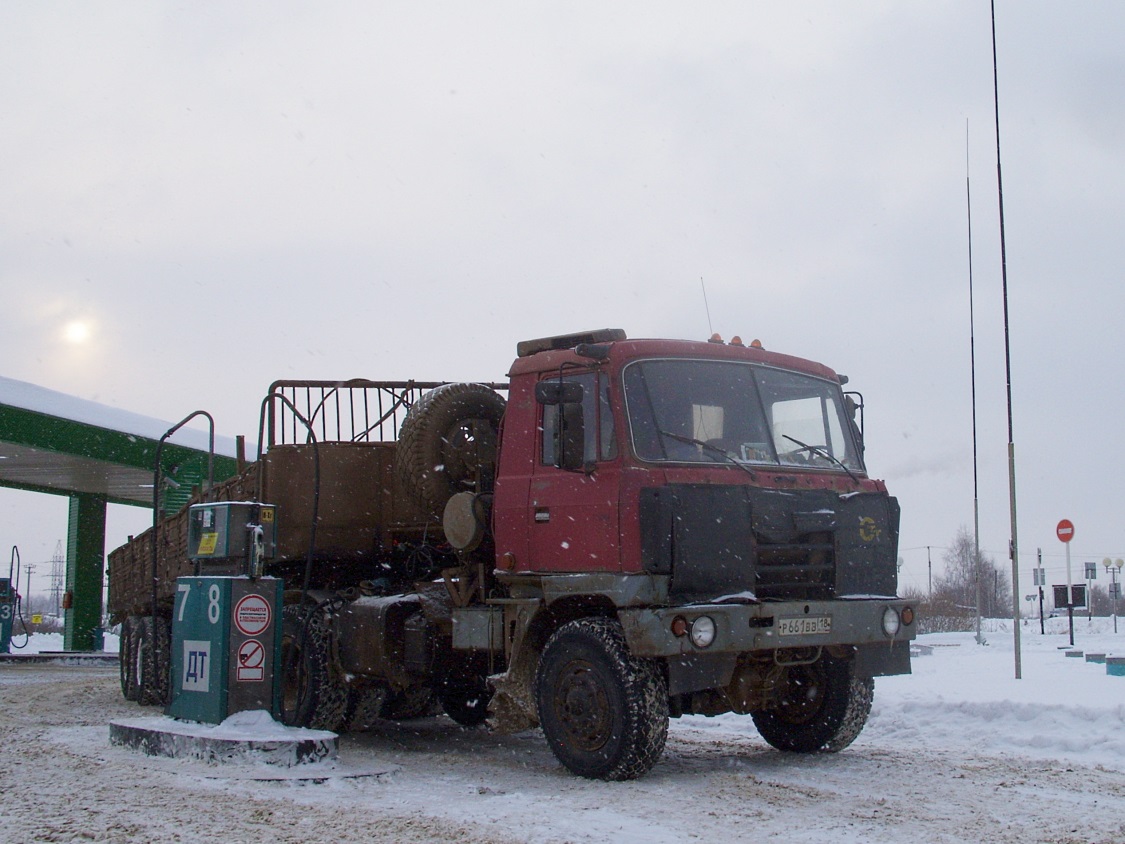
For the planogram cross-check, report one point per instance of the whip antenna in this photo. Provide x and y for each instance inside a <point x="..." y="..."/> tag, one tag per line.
<point x="706" y="308"/>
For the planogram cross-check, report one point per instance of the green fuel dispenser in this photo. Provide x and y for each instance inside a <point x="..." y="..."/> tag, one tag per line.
<point x="226" y="624"/>
<point x="226" y="647"/>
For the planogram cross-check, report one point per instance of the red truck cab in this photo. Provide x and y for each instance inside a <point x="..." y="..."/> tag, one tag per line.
<point x="746" y="455"/>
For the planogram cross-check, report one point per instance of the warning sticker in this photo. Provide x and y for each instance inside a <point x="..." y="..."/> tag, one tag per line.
<point x="251" y="662"/>
<point x="207" y="543"/>
<point x="252" y="615"/>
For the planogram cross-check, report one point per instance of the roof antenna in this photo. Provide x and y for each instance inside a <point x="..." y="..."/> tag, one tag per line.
<point x="710" y="330"/>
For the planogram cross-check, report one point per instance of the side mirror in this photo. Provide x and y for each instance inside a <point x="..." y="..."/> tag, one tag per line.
<point x="558" y="392"/>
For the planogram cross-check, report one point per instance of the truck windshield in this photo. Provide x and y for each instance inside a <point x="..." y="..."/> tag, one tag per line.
<point x="705" y="411"/>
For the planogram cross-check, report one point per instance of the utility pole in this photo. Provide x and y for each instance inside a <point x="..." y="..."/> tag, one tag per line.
<point x="1013" y="543"/>
<point x="58" y="577"/>
<point x="930" y="573"/>
<point x="29" y="568"/>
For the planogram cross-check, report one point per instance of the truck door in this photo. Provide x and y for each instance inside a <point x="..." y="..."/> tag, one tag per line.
<point x="573" y="513"/>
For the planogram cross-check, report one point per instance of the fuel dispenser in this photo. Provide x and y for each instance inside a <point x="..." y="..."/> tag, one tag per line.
<point x="226" y="623"/>
<point x="7" y="613"/>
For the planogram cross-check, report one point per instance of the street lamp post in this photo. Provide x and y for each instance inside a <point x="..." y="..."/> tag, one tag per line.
<point x="1113" y="568"/>
<point x="1091" y="576"/>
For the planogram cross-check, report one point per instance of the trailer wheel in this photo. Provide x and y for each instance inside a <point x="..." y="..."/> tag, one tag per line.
<point x="150" y="648"/>
<point x="311" y="696"/>
<point x="447" y="440"/>
<point x="823" y="706"/>
<point x="125" y="660"/>
<point x="603" y="711"/>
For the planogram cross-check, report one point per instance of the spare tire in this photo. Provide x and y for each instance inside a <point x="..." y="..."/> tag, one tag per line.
<point x="447" y="444"/>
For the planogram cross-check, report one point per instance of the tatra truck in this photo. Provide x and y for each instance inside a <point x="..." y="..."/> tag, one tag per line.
<point x="623" y="532"/>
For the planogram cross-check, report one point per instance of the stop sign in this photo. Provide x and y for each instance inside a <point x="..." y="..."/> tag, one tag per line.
<point x="1065" y="530"/>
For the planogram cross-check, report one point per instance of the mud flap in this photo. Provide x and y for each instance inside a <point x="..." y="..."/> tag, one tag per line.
<point x="512" y="708"/>
<point x="882" y="660"/>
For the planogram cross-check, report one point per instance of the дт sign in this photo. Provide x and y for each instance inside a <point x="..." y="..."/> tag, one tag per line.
<point x="1065" y="530"/>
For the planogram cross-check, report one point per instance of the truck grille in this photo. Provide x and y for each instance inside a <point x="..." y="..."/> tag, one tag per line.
<point x="796" y="571"/>
<point x="796" y="545"/>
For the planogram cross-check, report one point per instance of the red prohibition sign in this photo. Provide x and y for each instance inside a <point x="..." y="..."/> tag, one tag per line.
<point x="252" y="615"/>
<point x="1065" y="530"/>
<point x="251" y="654"/>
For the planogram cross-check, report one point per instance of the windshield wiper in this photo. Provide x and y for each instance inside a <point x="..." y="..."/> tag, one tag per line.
<point x="816" y="449"/>
<point x="710" y="447"/>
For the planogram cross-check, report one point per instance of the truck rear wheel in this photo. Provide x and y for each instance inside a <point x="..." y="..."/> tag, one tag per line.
<point x="365" y="706"/>
<point x="447" y="439"/>
<point x="603" y="711"/>
<point x="408" y="704"/>
<point x="823" y="706"/>
<point x="311" y="696"/>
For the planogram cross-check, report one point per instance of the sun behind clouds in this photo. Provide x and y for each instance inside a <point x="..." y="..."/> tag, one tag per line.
<point x="77" y="331"/>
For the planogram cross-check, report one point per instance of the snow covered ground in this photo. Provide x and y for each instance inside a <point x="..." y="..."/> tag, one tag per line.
<point x="958" y="751"/>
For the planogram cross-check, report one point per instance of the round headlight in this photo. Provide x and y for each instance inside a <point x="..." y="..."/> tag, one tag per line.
<point x="891" y="622"/>
<point x="703" y="631"/>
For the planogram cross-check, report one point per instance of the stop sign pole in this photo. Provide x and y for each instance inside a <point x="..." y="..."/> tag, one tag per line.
<point x="1065" y="532"/>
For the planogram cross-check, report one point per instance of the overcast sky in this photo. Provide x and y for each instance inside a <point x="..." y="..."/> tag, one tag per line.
<point x="199" y="199"/>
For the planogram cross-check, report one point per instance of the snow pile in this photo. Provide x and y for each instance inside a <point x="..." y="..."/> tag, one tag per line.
<point x="965" y="696"/>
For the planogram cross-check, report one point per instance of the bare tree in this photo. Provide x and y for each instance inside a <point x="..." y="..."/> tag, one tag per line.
<point x="964" y="569"/>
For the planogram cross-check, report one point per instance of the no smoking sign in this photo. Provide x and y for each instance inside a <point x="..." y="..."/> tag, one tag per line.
<point x="251" y="662"/>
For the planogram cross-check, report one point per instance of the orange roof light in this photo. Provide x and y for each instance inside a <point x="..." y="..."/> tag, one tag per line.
<point x="715" y="338"/>
<point x="755" y="344"/>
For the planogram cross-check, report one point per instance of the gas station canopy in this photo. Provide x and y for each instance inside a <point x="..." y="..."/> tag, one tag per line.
<point x="97" y="455"/>
<point x="55" y="443"/>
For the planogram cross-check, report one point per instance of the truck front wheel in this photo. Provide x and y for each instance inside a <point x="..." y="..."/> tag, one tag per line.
<point x="603" y="711"/>
<point x="823" y="706"/>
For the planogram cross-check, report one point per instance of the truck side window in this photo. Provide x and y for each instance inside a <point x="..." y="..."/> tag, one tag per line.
<point x="600" y="443"/>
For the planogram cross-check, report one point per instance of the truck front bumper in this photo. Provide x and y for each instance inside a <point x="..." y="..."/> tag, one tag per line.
<point x="738" y="628"/>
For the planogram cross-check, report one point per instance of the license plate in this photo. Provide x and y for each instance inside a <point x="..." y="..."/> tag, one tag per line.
<point x="804" y="625"/>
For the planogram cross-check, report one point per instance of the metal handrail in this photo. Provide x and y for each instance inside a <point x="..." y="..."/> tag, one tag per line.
<point x="357" y="410"/>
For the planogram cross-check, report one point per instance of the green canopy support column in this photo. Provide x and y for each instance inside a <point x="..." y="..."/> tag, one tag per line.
<point x="85" y="572"/>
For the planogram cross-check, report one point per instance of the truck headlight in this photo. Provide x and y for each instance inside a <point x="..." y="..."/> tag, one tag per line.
<point x="703" y="631"/>
<point x="891" y="621"/>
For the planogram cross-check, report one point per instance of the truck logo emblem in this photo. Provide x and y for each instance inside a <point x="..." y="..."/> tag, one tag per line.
<point x="868" y="532"/>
